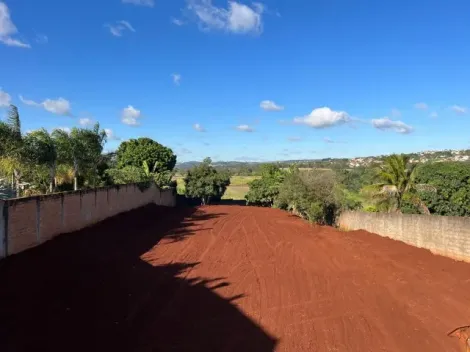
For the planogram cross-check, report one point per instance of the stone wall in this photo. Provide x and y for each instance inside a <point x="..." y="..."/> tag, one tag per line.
<point x="444" y="235"/>
<point x="28" y="222"/>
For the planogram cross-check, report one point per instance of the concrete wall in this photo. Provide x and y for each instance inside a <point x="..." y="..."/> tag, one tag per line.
<point x="444" y="235"/>
<point x="28" y="222"/>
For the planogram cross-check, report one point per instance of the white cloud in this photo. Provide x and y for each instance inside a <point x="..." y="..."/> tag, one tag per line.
<point x="29" y="102"/>
<point x="177" y="22"/>
<point x="110" y="134"/>
<point x="85" y="121"/>
<point x="421" y="106"/>
<point x="5" y="98"/>
<point x="244" y="128"/>
<point x="461" y="110"/>
<point x="130" y="115"/>
<point x="148" y="3"/>
<point x="434" y="115"/>
<point x="237" y="18"/>
<point x="8" y="28"/>
<point x="385" y="124"/>
<point x="199" y="128"/>
<point x="119" y="27"/>
<point x="323" y="118"/>
<point x="59" y="106"/>
<point x="269" y="105"/>
<point x="176" y="78"/>
<point x="328" y="140"/>
<point x="294" y="139"/>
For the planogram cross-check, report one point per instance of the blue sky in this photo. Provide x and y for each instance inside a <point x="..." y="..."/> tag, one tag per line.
<point x="240" y="80"/>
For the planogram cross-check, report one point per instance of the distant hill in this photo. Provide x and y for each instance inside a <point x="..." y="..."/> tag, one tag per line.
<point x="420" y="157"/>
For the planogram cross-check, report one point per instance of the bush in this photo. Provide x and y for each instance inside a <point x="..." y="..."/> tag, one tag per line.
<point x="264" y="191"/>
<point x="448" y="188"/>
<point x="312" y="195"/>
<point x="128" y="174"/>
<point x="205" y="182"/>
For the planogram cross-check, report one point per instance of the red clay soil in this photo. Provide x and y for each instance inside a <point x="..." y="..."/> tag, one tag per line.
<point x="229" y="278"/>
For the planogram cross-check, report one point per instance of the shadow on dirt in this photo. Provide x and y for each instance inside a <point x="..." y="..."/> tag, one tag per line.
<point x="90" y="291"/>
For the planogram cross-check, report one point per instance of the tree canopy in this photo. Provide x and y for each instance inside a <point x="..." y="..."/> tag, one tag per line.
<point x="265" y="190"/>
<point x="81" y="149"/>
<point x="135" y="152"/>
<point x="205" y="182"/>
<point x="448" y="188"/>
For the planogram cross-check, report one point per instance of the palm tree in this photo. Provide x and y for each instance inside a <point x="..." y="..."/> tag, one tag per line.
<point x="11" y="144"/>
<point x="396" y="179"/>
<point x="80" y="148"/>
<point x="40" y="149"/>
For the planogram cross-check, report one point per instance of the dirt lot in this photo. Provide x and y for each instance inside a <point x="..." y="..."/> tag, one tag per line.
<point x="229" y="278"/>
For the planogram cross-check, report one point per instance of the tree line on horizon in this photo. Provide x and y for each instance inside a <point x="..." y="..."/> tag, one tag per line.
<point x="396" y="185"/>
<point x="41" y="162"/>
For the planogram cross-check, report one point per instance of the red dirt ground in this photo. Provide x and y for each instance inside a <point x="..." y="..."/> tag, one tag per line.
<point x="229" y="278"/>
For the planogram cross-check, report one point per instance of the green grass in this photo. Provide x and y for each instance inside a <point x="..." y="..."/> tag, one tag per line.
<point x="236" y="192"/>
<point x="242" y="180"/>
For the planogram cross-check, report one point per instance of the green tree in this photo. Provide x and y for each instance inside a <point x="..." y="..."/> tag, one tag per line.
<point x="128" y="174"/>
<point x="13" y="120"/>
<point x="448" y="188"/>
<point x="205" y="182"/>
<point x="11" y="144"/>
<point x="40" y="149"/>
<point x="396" y="180"/>
<point x="312" y="195"/>
<point x="264" y="191"/>
<point x="135" y="152"/>
<point x="81" y="148"/>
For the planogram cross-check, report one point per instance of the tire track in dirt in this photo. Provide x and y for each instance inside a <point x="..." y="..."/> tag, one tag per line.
<point x="318" y="289"/>
<point x="246" y="279"/>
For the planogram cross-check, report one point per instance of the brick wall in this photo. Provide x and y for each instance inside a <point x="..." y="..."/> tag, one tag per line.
<point x="28" y="222"/>
<point x="444" y="235"/>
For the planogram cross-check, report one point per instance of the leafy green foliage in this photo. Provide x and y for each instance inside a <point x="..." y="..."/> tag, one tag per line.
<point x="354" y="179"/>
<point x="205" y="182"/>
<point x="448" y="188"/>
<point x="396" y="184"/>
<point x="135" y="152"/>
<point x="312" y="195"/>
<point x="128" y="174"/>
<point x="265" y="190"/>
<point x="81" y="149"/>
<point x="13" y="120"/>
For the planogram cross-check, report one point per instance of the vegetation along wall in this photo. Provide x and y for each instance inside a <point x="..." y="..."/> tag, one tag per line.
<point x="444" y="235"/>
<point x="28" y="222"/>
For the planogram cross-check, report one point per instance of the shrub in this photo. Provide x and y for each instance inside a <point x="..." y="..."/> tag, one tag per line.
<point x="205" y="182"/>
<point x="265" y="190"/>
<point x="312" y="195"/>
